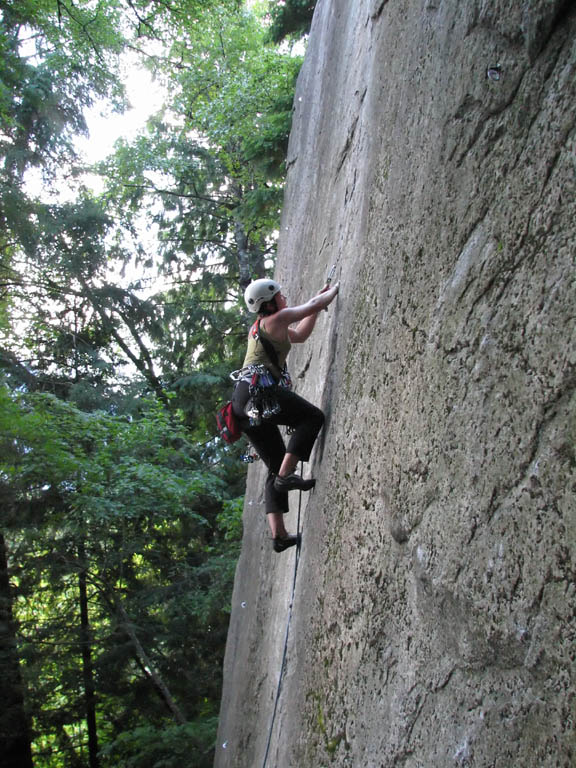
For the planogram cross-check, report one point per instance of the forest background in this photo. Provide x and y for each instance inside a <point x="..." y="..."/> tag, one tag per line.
<point x="120" y="320"/>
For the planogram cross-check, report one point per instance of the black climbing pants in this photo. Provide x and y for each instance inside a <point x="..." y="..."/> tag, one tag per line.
<point x="295" y="412"/>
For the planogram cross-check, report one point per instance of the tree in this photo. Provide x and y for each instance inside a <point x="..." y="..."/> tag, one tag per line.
<point x="122" y="519"/>
<point x="290" y="18"/>
<point x="210" y="172"/>
<point x="122" y="570"/>
<point x="15" y="737"/>
<point x="57" y="59"/>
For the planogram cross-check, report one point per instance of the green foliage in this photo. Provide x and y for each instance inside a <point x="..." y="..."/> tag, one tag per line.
<point x="122" y="513"/>
<point x="290" y="18"/>
<point x="134" y="496"/>
<point x="238" y="93"/>
<point x="58" y="58"/>
<point x="230" y="519"/>
<point x="215" y="159"/>
<point x="172" y="747"/>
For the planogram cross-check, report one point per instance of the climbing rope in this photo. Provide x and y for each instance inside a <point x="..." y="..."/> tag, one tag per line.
<point x="329" y="278"/>
<point x="248" y="458"/>
<point x="287" y="633"/>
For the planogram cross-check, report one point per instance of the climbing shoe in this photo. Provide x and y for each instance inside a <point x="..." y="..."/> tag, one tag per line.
<point x="293" y="482"/>
<point x="281" y="543"/>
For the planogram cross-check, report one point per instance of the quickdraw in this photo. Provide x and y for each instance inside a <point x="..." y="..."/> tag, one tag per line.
<point x="263" y="402"/>
<point x="263" y="386"/>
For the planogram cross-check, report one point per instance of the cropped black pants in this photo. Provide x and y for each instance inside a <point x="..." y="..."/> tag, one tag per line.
<point x="295" y="412"/>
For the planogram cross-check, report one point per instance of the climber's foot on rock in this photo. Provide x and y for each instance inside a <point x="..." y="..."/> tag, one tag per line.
<point x="293" y="482"/>
<point x="281" y="543"/>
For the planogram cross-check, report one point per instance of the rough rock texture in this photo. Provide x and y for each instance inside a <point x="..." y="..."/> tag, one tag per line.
<point x="433" y="621"/>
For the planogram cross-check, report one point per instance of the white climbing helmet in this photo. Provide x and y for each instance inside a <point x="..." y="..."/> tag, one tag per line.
<point x="259" y="292"/>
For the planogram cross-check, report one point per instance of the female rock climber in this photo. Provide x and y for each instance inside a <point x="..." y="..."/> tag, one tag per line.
<point x="262" y="399"/>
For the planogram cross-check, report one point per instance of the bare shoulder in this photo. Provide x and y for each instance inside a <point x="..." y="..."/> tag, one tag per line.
<point x="277" y="324"/>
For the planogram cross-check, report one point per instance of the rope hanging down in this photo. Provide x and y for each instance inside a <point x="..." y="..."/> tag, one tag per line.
<point x="290" y="607"/>
<point x="287" y="633"/>
<point x="329" y="278"/>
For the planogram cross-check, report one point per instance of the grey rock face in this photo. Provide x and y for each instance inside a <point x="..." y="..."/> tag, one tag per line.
<point x="433" y="624"/>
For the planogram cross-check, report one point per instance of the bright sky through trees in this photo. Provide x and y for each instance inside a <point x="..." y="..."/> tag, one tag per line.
<point x="145" y="96"/>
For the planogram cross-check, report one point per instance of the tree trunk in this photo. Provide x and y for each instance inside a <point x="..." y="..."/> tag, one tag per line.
<point x="250" y="258"/>
<point x="87" y="666"/>
<point x="244" y="273"/>
<point x="143" y="362"/>
<point x="149" y="670"/>
<point x="15" y="747"/>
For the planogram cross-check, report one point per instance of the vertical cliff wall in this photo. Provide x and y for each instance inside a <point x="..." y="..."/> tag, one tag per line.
<point x="433" y="621"/>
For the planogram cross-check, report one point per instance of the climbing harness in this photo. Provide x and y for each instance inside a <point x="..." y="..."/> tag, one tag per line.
<point x="286" y="634"/>
<point x="263" y="387"/>
<point x="263" y="384"/>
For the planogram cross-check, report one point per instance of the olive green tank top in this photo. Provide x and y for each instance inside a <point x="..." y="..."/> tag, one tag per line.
<point x="256" y="354"/>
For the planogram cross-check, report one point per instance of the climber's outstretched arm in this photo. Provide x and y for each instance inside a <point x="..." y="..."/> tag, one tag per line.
<point x="278" y="324"/>
<point x="305" y="327"/>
